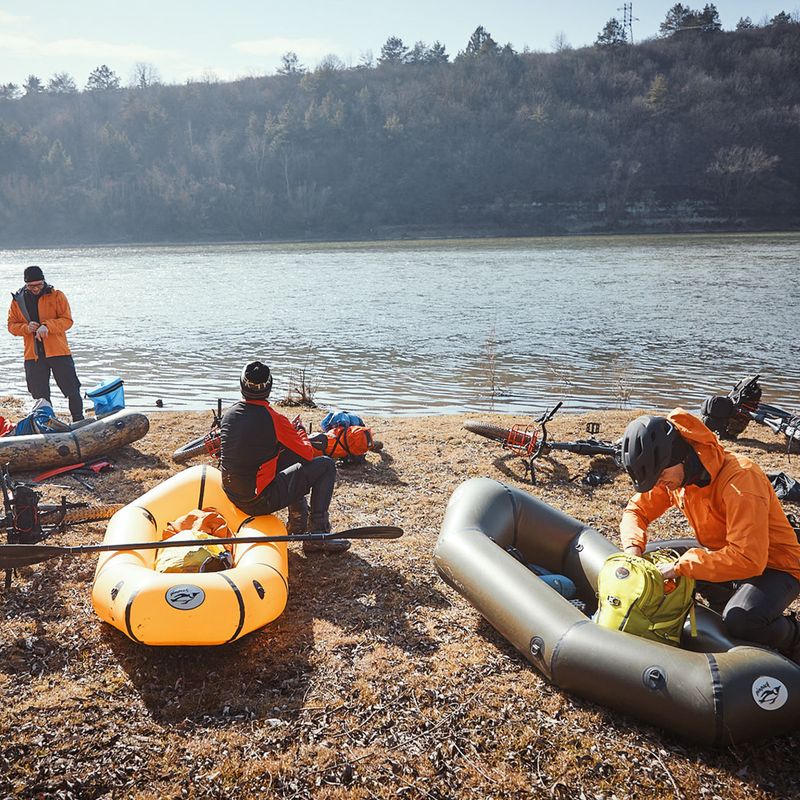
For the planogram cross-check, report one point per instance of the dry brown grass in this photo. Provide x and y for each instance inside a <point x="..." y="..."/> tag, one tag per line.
<point x="377" y="681"/>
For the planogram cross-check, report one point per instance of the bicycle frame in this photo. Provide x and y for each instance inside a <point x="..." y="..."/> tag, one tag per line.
<point x="212" y="440"/>
<point x="789" y="426"/>
<point x="531" y="442"/>
<point x="746" y="396"/>
<point x="13" y="534"/>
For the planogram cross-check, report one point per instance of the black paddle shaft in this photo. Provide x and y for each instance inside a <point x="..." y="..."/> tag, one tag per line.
<point x="22" y="555"/>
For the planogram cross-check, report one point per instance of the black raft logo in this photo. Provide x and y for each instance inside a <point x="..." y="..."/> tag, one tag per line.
<point x="769" y="693"/>
<point x="185" y="596"/>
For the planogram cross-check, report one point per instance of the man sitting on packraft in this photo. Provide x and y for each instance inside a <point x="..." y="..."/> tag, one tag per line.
<point x="267" y="464"/>
<point x="747" y="541"/>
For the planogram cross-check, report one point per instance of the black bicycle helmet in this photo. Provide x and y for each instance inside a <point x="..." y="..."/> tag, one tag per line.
<point x="256" y="381"/>
<point x="647" y="449"/>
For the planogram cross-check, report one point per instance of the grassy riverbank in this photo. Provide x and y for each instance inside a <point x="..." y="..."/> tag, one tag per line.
<point x="377" y="681"/>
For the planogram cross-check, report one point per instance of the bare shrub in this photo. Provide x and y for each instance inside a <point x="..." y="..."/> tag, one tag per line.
<point x="490" y="365"/>
<point x="301" y="390"/>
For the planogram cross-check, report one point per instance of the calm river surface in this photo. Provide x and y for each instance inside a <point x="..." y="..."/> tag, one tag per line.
<point x="431" y="327"/>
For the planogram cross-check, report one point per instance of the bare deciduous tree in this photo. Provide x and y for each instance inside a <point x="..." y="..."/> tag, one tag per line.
<point x="736" y="169"/>
<point x="144" y="74"/>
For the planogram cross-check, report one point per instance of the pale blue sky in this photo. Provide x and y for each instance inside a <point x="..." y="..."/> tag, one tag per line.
<point x="211" y="38"/>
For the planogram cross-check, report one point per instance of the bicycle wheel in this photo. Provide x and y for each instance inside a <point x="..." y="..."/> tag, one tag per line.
<point x="74" y="516"/>
<point x="493" y="432"/>
<point x="52" y="515"/>
<point x="194" y="448"/>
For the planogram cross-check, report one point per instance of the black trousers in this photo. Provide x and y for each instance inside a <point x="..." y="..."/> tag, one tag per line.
<point x="753" y="608"/>
<point x="37" y="376"/>
<point x="294" y="480"/>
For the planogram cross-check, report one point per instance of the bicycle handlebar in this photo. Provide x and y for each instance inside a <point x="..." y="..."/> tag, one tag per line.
<point x="549" y="414"/>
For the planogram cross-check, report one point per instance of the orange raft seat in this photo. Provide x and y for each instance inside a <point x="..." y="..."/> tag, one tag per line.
<point x="170" y="608"/>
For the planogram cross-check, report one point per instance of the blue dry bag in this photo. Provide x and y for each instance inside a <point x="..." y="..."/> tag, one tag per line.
<point x="339" y="419"/>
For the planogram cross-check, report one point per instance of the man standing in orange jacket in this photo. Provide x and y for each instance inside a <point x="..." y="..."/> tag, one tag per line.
<point x="746" y="540"/>
<point x="41" y="315"/>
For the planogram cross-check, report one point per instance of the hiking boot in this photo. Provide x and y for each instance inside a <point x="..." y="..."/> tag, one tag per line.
<point x="793" y="650"/>
<point x="320" y="523"/>
<point x="297" y="520"/>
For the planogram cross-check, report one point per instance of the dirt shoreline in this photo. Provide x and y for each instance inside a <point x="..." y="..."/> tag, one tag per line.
<point x="377" y="681"/>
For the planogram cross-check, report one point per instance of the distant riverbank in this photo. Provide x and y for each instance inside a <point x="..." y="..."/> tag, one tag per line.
<point x="586" y="222"/>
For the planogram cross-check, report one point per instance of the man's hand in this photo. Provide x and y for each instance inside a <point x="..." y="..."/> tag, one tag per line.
<point x="32" y="326"/>
<point x="667" y="571"/>
<point x="41" y="332"/>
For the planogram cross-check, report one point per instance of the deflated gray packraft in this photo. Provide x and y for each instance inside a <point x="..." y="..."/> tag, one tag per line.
<point x="84" y="441"/>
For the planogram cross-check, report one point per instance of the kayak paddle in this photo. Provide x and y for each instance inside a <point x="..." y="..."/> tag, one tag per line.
<point x="22" y="555"/>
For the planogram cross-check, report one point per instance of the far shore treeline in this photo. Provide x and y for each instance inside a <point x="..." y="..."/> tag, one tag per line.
<point x="698" y="129"/>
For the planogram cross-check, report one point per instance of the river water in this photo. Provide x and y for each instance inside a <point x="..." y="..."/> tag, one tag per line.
<point x="432" y="327"/>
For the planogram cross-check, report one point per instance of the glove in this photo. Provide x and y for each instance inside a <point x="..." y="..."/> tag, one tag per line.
<point x="319" y="441"/>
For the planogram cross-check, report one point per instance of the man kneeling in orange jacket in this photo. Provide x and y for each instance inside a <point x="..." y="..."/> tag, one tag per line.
<point x="747" y="541"/>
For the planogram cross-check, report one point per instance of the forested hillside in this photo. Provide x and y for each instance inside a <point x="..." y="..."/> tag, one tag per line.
<point x="699" y="129"/>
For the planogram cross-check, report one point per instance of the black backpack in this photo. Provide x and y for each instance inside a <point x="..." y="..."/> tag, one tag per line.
<point x="22" y="511"/>
<point x="25" y="515"/>
<point x="716" y="413"/>
<point x="728" y="415"/>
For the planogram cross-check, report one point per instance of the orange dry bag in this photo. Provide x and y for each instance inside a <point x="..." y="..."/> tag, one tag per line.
<point x="349" y="442"/>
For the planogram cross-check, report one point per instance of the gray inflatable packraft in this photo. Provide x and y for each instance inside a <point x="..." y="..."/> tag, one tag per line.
<point x="713" y="690"/>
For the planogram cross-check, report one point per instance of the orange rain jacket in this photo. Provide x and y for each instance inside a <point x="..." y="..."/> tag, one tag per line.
<point x="54" y="312"/>
<point x="737" y="517"/>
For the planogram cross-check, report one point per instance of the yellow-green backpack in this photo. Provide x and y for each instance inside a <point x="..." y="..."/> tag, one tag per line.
<point x="632" y="597"/>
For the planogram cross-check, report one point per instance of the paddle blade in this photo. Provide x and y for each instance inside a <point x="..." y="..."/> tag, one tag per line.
<point x="368" y="532"/>
<point x="23" y="555"/>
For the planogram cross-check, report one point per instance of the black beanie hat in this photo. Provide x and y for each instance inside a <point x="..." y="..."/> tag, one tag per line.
<point x="256" y="381"/>
<point x="33" y="273"/>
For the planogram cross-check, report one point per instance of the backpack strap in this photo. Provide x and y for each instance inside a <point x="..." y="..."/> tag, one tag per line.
<point x="19" y="297"/>
<point x="341" y="439"/>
